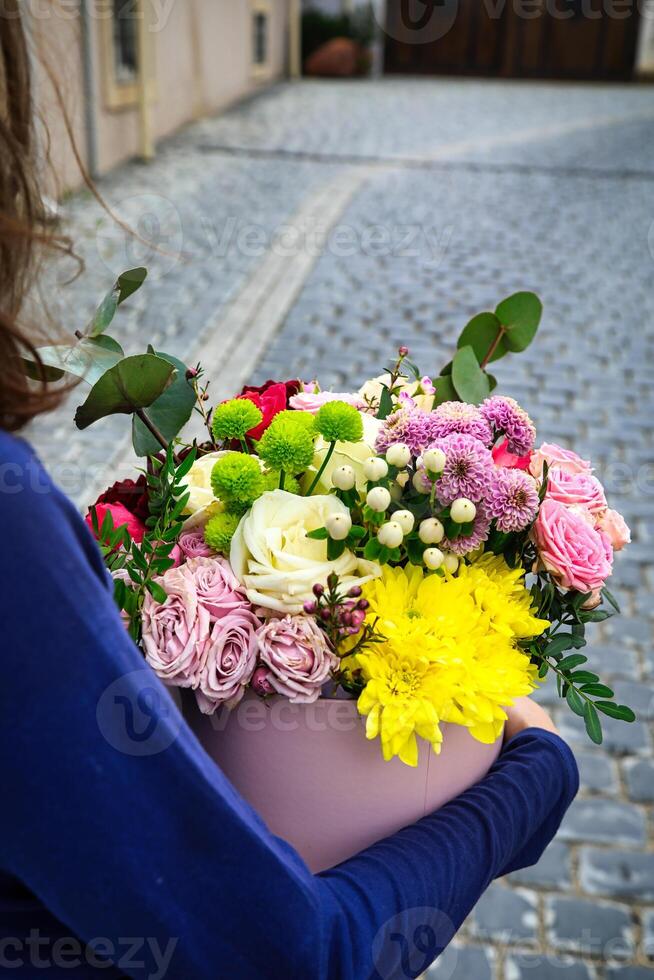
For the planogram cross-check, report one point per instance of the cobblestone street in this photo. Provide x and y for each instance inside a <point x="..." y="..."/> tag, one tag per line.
<point x="389" y="212"/>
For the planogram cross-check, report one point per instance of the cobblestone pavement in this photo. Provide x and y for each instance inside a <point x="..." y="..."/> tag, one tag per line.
<point x="468" y="192"/>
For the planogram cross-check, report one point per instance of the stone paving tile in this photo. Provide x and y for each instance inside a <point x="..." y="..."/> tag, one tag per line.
<point x="462" y="963"/>
<point x="540" y="967"/>
<point x="526" y="187"/>
<point x="592" y="928"/>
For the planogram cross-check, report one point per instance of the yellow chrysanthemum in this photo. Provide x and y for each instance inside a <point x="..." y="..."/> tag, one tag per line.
<point x="400" y="702"/>
<point x="449" y="653"/>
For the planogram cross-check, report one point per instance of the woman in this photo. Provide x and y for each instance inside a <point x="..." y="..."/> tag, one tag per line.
<point x="150" y="865"/>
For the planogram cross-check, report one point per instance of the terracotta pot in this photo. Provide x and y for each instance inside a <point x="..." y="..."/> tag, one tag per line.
<point x="320" y="784"/>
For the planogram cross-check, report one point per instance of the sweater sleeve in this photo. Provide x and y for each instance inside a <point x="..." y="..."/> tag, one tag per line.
<point x="115" y="818"/>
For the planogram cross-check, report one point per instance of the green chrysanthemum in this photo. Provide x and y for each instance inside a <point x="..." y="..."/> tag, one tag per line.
<point x="237" y="480"/>
<point x="286" y="445"/>
<point x="235" y="418"/>
<point x="339" y="422"/>
<point x="220" y="530"/>
<point x="272" y="479"/>
<point x="305" y="419"/>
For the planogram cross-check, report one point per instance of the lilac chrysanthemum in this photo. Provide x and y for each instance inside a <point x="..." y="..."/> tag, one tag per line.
<point x="452" y="417"/>
<point x="468" y="471"/>
<point x="513" y="500"/>
<point x="410" y="426"/>
<point x="506" y="416"/>
<point x="470" y="542"/>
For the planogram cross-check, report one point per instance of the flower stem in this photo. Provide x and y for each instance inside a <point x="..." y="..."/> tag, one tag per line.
<point x="328" y="456"/>
<point x="493" y="347"/>
<point x="151" y="427"/>
<point x="244" y="446"/>
<point x="282" y="479"/>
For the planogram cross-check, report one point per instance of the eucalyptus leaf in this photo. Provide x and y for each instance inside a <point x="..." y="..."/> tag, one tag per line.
<point x="444" y="390"/>
<point x="170" y="412"/>
<point x="41" y="372"/>
<point x="480" y="333"/>
<point x="133" y="383"/>
<point x="520" y="315"/>
<point x="87" y="359"/>
<point x="126" y="284"/>
<point x="470" y="382"/>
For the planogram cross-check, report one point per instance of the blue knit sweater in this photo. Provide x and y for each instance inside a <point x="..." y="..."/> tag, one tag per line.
<point x="144" y="854"/>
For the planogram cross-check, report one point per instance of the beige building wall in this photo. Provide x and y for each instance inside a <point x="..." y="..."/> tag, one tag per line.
<point x="201" y="61"/>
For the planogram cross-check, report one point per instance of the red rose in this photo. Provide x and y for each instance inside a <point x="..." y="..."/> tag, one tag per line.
<point x="503" y="457"/>
<point x="292" y="388"/>
<point x="271" y="402"/>
<point x="132" y="494"/>
<point x="122" y="517"/>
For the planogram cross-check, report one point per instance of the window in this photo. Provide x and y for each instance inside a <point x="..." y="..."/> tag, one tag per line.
<point x="260" y="38"/>
<point x="120" y="24"/>
<point x="125" y="41"/>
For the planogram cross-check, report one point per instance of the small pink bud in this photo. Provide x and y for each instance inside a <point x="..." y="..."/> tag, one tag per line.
<point x="311" y="608"/>
<point x="363" y="604"/>
<point x="318" y="590"/>
<point x="403" y="351"/>
<point x="355" y="592"/>
<point x="191" y="373"/>
<point x="325" y="615"/>
<point x="260" y="683"/>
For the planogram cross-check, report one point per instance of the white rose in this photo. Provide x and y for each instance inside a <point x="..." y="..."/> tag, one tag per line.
<point x="278" y="564"/>
<point x="353" y="454"/>
<point x="371" y="391"/>
<point x="202" y="503"/>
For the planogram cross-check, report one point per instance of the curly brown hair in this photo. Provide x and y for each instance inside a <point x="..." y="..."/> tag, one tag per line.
<point x="24" y="235"/>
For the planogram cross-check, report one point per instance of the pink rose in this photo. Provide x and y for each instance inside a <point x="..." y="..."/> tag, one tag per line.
<point x="502" y="457"/>
<point x="218" y="589"/>
<point x="556" y="456"/>
<point x="121" y="516"/>
<point x="569" y="547"/>
<point x="230" y="660"/>
<point x="192" y="545"/>
<point x="615" y="527"/>
<point x="298" y="656"/>
<point x="175" y="631"/>
<point x="576" y="489"/>
<point x="312" y="401"/>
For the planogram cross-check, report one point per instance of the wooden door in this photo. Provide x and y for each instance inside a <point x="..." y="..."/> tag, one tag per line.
<point x="593" y="39"/>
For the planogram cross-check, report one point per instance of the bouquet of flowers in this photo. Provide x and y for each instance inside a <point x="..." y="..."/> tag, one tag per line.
<point x="406" y="545"/>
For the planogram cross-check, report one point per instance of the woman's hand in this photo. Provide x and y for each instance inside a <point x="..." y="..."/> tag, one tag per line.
<point x="525" y="713"/>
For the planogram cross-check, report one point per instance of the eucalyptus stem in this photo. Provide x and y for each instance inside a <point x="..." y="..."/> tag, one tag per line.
<point x="493" y="347"/>
<point x="149" y="424"/>
<point x="328" y="456"/>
